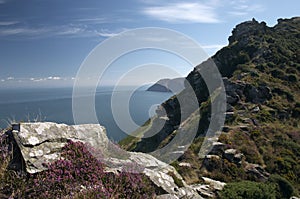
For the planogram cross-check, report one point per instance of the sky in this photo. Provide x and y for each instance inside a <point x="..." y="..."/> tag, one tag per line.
<point x="44" y="43"/>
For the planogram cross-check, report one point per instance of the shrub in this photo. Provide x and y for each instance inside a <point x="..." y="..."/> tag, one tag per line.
<point x="11" y="182"/>
<point x="78" y="174"/>
<point x="177" y="181"/>
<point x="79" y="171"/>
<point x="4" y="155"/>
<point x="261" y="67"/>
<point x="291" y="70"/>
<point x="277" y="73"/>
<point x="284" y="189"/>
<point x="292" y="78"/>
<point x="249" y="190"/>
<point x="265" y="116"/>
<point x="243" y="57"/>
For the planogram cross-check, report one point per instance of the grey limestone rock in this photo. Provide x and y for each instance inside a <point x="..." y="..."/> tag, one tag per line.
<point x="42" y="142"/>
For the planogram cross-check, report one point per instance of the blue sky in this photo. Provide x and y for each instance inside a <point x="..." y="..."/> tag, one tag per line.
<point x="43" y="43"/>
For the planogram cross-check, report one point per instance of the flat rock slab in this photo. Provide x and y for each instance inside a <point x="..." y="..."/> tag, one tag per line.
<point x="42" y="142"/>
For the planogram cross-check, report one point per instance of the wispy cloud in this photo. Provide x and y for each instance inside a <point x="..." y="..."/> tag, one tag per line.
<point x="53" y="81"/>
<point x="183" y="13"/>
<point x="108" y="19"/>
<point x="8" y="23"/>
<point x="106" y="33"/>
<point x="71" y="31"/>
<point x="22" y="31"/>
<point x="96" y="20"/>
<point x="54" y="78"/>
<point x="244" y="7"/>
<point x="38" y="79"/>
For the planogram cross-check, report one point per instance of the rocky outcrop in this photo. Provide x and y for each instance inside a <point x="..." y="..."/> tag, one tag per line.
<point x="237" y="90"/>
<point x="256" y="171"/>
<point x="39" y="143"/>
<point x="210" y="188"/>
<point x="233" y="156"/>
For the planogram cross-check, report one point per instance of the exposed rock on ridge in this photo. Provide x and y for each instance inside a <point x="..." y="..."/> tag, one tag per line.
<point x="40" y="143"/>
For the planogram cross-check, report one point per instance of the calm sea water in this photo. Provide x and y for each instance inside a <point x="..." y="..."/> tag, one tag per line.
<point x="55" y="105"/>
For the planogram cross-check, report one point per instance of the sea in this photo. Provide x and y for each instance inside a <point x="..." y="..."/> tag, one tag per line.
<point x="55" y="105"/>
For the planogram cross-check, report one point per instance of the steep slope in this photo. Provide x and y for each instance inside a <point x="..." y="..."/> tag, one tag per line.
<point x="261" y="137"/>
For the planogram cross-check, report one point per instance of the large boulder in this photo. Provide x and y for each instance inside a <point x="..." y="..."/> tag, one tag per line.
<point x="256" y="172"/>
<point x="232" y="155"/>
<point x="217" y="148"/>
<point x="39" y="143"/>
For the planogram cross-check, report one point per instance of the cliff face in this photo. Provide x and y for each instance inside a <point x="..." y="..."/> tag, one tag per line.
<point x="261" y="71"/>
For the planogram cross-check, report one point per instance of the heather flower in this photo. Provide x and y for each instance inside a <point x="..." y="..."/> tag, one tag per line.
<point x="80" y="175"/>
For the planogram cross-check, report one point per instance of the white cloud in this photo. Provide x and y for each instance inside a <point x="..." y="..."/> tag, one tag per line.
<point x="53" y="78"/>
<point x="32" y="80"/>
<point x="85" y="32"/>
<point x="244" y="7"/>
<point x="106" y="34"/>
<point x="96" y="20"/>
<point x="37" y="79"/>
<point x="8" y="23"/>
<point x="22" y="31"/>
<point x="183" y="12"/>
<point x="71" y="31"/>
<point x="31" y="31"/>
<point x="56" y="78"/>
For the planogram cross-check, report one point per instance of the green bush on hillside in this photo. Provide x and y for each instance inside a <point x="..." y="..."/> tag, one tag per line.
<point x="249" y="190"/>
<point x="284" y="189"/>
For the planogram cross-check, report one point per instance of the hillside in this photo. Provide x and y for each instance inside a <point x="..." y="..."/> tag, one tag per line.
<point x="261" y="138"/>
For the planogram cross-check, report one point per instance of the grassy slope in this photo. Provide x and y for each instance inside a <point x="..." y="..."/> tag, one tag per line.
<point x="257" y="55"/>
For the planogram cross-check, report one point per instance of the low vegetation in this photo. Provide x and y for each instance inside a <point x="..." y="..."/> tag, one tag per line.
<point x="78" y="174"/>
<point x="249" y="190"/>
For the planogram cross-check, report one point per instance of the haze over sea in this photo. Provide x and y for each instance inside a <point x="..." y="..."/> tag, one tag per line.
<point x="55" y="105"/>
